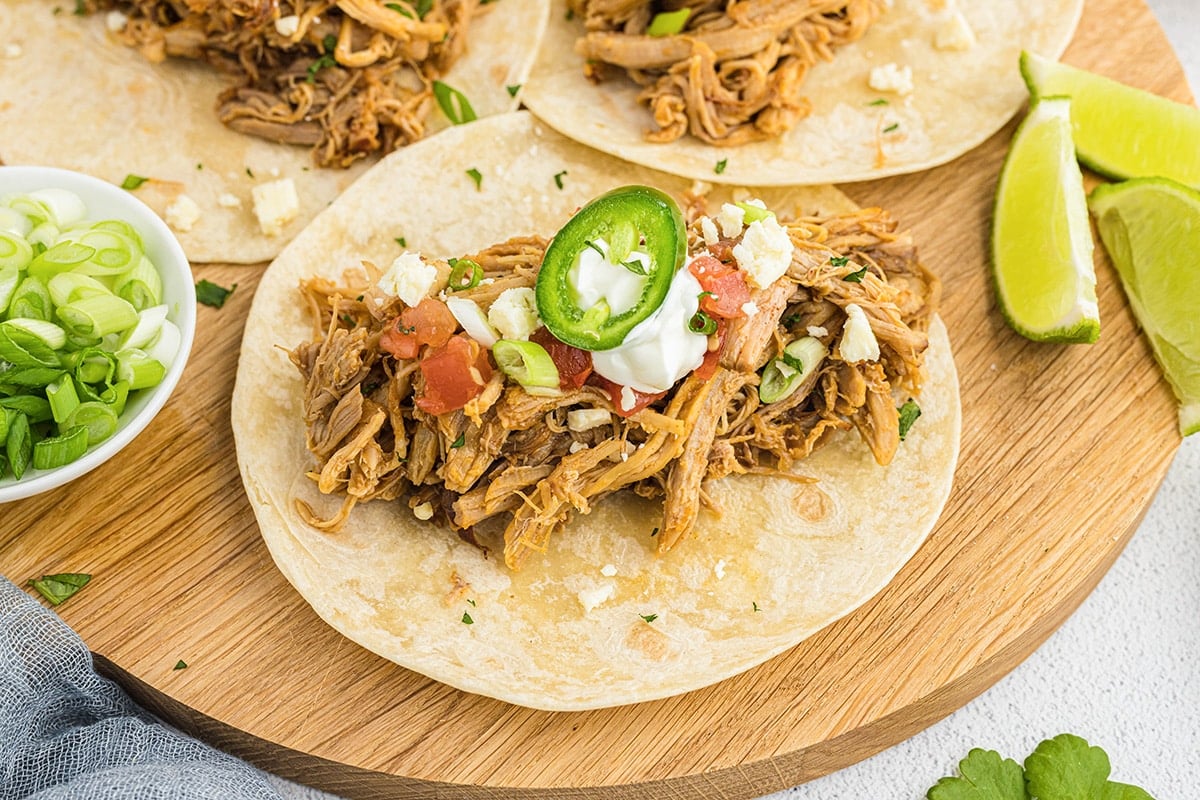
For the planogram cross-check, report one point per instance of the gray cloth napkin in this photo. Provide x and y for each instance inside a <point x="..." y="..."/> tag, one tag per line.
<point x="66" y="732"/>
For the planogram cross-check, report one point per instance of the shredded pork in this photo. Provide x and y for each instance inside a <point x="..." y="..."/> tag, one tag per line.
<point x="346" y="78"/>
<point x="513" y="457"/>
<point x="733" y="74"/>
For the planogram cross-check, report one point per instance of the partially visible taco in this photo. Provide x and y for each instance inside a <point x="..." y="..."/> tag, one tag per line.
<point x="197" y="104"/>
<point x="784" y="92"/>
<point x="474" y="529"/>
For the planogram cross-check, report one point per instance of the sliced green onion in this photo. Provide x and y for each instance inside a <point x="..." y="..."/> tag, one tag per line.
<point x="165" y="346"/>
<point x="122" y="227"/>
<point x="43" y="236"/>
<point x="454" y="104"/>
<point x="98" y="315"/>
<point x="754" y="213"/>
<point x="63" y="398"/>
<point x="9" y="278"/>
<point x="60" y="257"/>
<point x="702" y="323"/>
<point x="29" y="377"/>
<point x="113" y="254"/>
<point x="67" y="287"/>
<point x="781" y="377"/>
<point x="31" y="299"/>
<point x="528" y="364"/>
<point x="141" y="286"/>
<point x="63" y="207"/>
<point x="18" y="446"/>
<point x="12" y="221"/>
<point x="4" y="414"/>
<point x="55" y="451"/>
<point x="93" y="365"/>
<point x="37" y="409"/>
<point x="35" y="212"/>
<point x="139" y="370"/>
<point x="115" y="396"/>
<point x="668" y="23"/>
<point x="15" y="252"/>
<point x="97" y="418"/>
<point x="473" y="320"/>
<point x="23" y="347"/>
<point x="465" y="274"/>
<point x="149" y="323"/>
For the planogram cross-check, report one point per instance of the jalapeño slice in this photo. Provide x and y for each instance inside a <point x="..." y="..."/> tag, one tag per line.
<point x="628" y="219"/>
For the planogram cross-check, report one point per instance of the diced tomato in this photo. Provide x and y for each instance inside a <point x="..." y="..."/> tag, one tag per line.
<point x="574" y="365"/>
<point x="429" y="322"/>
<point x="454" y="374"/>
<point x="712" y="358"/>
<point x="722" y="250"/>
<point x="614" y="390"/>
<point x="726" y="287"/>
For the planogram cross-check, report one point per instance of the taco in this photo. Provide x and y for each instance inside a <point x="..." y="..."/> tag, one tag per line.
<point x="561" y="542"/>
<point x="288" y="100"/>
<point x="762" y="92"/>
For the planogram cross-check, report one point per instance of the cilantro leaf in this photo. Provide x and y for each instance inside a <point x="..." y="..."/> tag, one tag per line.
<point x="180" y="664"/>
<point x="132" y="182"/>
<point x="211" y="294"/>
<point x="720" y="167"/>
<point x="983" y="775"/>
<point x="908" y="414"/>
<point x="58" y="588"/>
<point x="1067" y="768"/>
<point x="1123" y="791"/>
<point x="648" y="617"/>
<point x="476" y="176"/>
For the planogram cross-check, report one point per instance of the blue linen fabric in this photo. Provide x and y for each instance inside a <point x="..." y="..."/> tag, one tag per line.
<point x="67" y="733"/>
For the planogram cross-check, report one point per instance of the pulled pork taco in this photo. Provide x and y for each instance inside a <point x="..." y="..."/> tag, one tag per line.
<point x="784" y="92"/>
<point x="239" y="121"/>
<point x="587" y="437"/>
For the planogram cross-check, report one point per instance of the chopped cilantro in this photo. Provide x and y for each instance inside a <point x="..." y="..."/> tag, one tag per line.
<point x="792" y="319"/>
<point x="908" y="415"/>
<point x="720" y="167"/>
<point x="654" y="532"/>
<point x="180" y="664"/>
<point x="250" y="172"/>
<point x="558" y="178"/>
<point x="466" y="619"/>
<point x="513" y="89"/>
<point x="59" y="587"/>
<point x="755" y="605"/>
<point x="80" y="8"/>
<point x="839" y="261"/>
<point x="476" y="176"/>
<point x="892" y="127"/>
<point x="570" y="14"/>
<point x="453" y="103"/>
<point x="211" y="294"/>
<point x="856" y="276"/>
<point x="878" y="102"/>
<point x="400" y="240"/>
<point x="469" y="600"/>
<point x="199" y="165"/>
<point x="648" y="617"/>
<point x="132" y="181"/>
<point x="459" y="442"/>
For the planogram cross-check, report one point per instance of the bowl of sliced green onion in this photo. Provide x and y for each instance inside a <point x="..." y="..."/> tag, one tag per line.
<point x="97" y="316"/>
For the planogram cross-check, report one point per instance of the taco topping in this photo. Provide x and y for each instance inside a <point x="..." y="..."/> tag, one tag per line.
<point x="727" y="73"/>
<point x="529" y="430"/>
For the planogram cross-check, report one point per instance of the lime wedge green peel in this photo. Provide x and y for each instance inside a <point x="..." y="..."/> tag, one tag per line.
<point x="1041" y="242"/>
<point x="1151" y="230"/>
<point x="1120" y="131"/>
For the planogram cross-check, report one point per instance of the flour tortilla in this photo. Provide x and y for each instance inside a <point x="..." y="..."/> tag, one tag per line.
<point x="783" y="561"/>
<point x="960" y="97"/>
<point x="77" y="99"/>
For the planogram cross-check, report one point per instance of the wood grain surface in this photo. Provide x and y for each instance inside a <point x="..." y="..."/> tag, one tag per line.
<point x="1063" y="449"/>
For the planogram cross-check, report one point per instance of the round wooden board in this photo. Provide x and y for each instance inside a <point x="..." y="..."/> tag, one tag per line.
<point x="1063" y="449"/>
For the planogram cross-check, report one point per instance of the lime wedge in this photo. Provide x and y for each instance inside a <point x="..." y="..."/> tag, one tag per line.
<point x="1151" y="230"/>
<point x="1120" y="131"/>
<point x="1041" y="242"/>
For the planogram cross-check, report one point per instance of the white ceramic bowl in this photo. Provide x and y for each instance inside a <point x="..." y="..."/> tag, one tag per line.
<point x="106" y="201"/>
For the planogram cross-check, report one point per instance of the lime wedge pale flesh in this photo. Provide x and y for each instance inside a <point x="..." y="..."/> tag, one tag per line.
<point x="1041" y="242"/>
<point x="1151" y="230"/>
<point x="1120" y="131"/>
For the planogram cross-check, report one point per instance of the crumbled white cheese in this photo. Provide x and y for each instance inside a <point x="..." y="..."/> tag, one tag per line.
<point x="817" y="331"/>
<point x="891" y="78"/>
<point x="749" y="308"/>
<point x="608" y="570"/>
<point x="408" y="278"/>
<point x="954" y="33"/>
<point x="12" y="50"/>
<point x="731" y="219"/>
<point x="423" y="511"/>
<point x="115" y="21"/>
<point x="719" y="569"/>
<point x="701" y="188"/>
<point x="590" y="598"/>
<point x="858" y="340"/>
<point x="275" y="205"/>
<point x="708" y="229"/>
<point x="287" y="26"/>
<point x="628" y="398"/>
<point x="182" y="213"/>
<point x="514" y="313"/>
<point x="764" y="252"/>
<point x="229" y="201"/>
<point x="584" y="419"/>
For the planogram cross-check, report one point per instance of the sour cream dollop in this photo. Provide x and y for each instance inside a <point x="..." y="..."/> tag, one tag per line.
<point x="660" y="349"/>
<point x="594" y="277"/>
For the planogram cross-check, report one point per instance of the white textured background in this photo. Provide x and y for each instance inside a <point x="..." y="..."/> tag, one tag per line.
<point x="1123" y="672"/>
